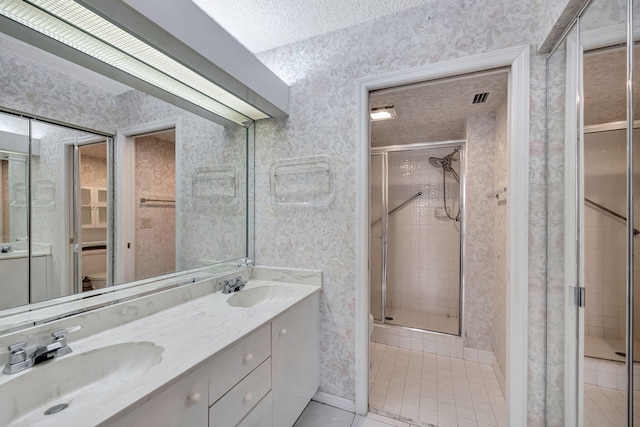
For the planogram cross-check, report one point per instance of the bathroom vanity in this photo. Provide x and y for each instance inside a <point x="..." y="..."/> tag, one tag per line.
<point x="13" y="266"/>
<point x="249" y="358"/>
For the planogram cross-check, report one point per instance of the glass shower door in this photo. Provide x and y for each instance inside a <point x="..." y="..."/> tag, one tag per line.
<point x="376" y="258"/>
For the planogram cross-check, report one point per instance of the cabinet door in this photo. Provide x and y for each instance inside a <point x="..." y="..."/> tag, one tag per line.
<point x="39" y="278"/>
<point x="14" y="287"/>
<point x="295" y="360"/>
<point x="86" y="207"/>
<point x="182" y="404"/>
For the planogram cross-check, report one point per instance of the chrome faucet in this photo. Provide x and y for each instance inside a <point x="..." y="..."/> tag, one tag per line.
<point x="233" y="285"/>
<point x="19" y="361"/>
<point x="6" y="249"/>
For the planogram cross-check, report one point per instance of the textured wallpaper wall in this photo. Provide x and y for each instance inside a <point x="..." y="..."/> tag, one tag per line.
<point x="155" y="178"/>
<point x="322" y="73"/>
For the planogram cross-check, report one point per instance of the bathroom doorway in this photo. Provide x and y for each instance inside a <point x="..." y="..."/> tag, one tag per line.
<point x="438" y="270"/>
<point x="93" y="214"/>
<point x="155" y="207"/>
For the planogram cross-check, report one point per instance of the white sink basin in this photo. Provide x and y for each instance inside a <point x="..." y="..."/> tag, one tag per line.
<point x="260" y="294"/>
<point x="75" y="380"/>
<point x="14" y="254"/>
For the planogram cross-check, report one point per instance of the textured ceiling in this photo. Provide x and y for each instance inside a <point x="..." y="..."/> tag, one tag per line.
<point x="605" y="87"/>
<point x="265" y="24"/>
<point x="94" y="150"/>
<point x="430" y="112"/>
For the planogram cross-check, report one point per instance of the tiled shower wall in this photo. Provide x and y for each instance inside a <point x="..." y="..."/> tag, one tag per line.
<point x="424" y="245"/>
<point x="605" y="243"/>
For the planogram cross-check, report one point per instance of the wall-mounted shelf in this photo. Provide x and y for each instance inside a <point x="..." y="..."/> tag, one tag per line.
<point x="307" y="181"/>
<point x="44" y="193"/>
<point x="215" y="184"/>
<point x="18" y="195"/>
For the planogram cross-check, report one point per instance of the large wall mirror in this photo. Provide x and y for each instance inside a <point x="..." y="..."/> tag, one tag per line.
<point x="102" y="184"/>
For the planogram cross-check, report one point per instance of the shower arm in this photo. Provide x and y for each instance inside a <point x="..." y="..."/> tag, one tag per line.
<point x="400" y="206"/>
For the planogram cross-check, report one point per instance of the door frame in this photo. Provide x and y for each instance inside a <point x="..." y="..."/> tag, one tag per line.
<point x="72" y="257"/>
<point x="517" y="59"/>
<point x="125" y="168"/>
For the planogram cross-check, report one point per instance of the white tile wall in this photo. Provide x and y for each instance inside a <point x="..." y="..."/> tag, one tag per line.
<point x="605" y="373"/>
<point x="605" y="243"/>
<point x="424" y="249"/>
<point x="429" y="342"/>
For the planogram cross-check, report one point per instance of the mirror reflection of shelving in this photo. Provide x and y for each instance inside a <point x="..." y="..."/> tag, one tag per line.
<point x="93" y="207"/>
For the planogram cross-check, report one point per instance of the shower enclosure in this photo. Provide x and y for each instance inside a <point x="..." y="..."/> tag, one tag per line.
<point x="416" y="235"/>
<point x="605" y="204"/>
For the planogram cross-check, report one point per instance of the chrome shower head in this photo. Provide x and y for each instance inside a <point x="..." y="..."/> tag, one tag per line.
<point x="445" y="163"/>
<point x="435" y="161"/>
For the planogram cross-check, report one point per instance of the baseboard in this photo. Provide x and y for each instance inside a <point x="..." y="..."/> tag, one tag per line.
<point x="500" y="376"/>
<point x="335" y="401"/>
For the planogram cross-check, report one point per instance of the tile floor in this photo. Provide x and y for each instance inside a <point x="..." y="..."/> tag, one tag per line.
<point x="425" y="389"/>
<point x="319" y="415"/>
<point x="446" y="392"/>
<point x="606" y="407"/>
<point x="421" y="320"/>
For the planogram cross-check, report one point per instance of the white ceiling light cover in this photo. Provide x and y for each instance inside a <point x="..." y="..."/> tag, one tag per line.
<point x="91" y="34"/>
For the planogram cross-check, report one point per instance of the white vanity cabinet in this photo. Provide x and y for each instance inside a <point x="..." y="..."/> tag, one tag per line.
<point x="14" y="286"/>
<point x="184" y="403"/>
<point x="264" y="379"/>
<point x="239" y="378"/>
<point x="295" y="357"/>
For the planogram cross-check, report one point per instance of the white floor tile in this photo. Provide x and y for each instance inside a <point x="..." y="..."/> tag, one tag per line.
<point x="320" y="415"/>
<point x="425" y="389"/>
<point x="387" y="421"/>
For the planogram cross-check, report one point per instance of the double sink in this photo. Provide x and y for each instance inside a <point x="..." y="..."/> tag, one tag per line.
<point x="80" y="379"/>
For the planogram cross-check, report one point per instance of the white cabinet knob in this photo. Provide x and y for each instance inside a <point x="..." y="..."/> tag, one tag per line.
<point x="248" y="397"/>
<point x="248" y="358"/>
<point x="283" y="331"/>
<point x="193" y="398"/>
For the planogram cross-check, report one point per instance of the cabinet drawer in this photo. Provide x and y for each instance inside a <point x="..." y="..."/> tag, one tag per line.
<point x="261" y="415"/>
<point x="233" y="406"/>
<point x="235" y="362"/>
<point x="182" y="404"/>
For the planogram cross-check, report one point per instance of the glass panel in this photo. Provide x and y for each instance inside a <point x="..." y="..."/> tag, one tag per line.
<point x="557" y="106"/>
<point x="14" y="146"/>
<point x="375" y="252"/>
<point x="208" y="196"/>
<point x="423" y="253"/>
<point x="635" y="306"/>
<point x="602" y="180"/>
<point x="57" y="269"/>
<point x="85" y="197"/>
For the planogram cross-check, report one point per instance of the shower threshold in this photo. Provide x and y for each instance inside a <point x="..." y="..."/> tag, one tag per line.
<point x="424" y="321"/>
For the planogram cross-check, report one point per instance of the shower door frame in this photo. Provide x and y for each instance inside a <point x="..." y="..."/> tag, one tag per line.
<point x="384" y="151"/>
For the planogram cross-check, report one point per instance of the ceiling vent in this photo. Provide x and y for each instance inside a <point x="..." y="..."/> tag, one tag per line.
<point x="480" y="98"/>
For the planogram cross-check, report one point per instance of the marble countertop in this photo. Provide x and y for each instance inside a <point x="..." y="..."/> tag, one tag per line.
<point x="190" y="333"/>
<point x="19" y="250"/>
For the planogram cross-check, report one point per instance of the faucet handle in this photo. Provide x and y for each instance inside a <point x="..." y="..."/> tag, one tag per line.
<point x="240" y="283"/>
<point x="61" y="334"/>
<point x="17" y="352"/>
